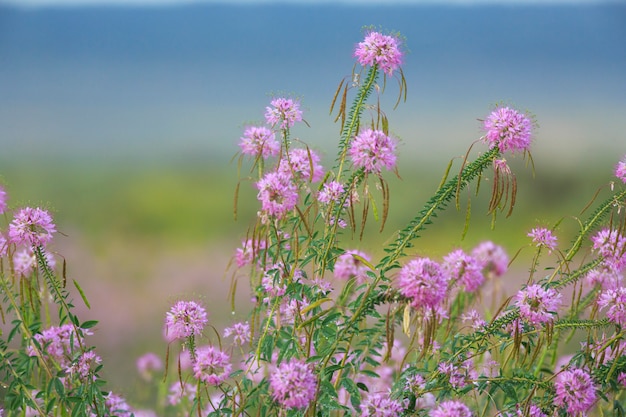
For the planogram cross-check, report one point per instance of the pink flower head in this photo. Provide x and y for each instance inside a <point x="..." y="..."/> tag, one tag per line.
<point x="117" y="405"/>
<point x="611" y="245"/>
<point x="3" y="200"/>
<point x="533" y="411"/>
<point x="259" y="142"/>
<point x="508" y="129"/>
<point x="285" y="111"/>
<point x="59" y="343"/>
<point x="381" y="50"/>
<point x="451" y="408"/>
<point x="185" y="319"/>
<point x="620" y="172"/>
<point x="301" y="164"/>
<point x="248" y="251"/>
<point x="277" y="194"/>
<point x="24" y="262"/>
<point x="543" y="237"/>
<point x="464" y="269"/>
<point x="348" y="266"/>
<point x="605" y="275"/>
<point x="85" y="366"/>
<point x="212" y="365"/>
<point x="293" y="384"/>
<point x="537" y="305"/>
<point x="331" y="192"/>
<point x="615" y="301"/>
<point x="424" y="282"/>
<point x="179" y="390"/>
<point x="147" y="364"/>
<point x="240" y="333"/>
<point x="493" y="257"/>
<point x="575" y="391"/>
<point x="31" y="227"/>
<point x="372" y="150"/>
<point x="379" y="404"/>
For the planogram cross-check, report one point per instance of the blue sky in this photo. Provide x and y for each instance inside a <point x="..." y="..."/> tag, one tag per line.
<point x="47" y="3"/>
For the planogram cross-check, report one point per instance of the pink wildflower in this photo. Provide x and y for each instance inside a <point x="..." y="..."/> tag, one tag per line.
<point x="620" y="171"/>
<point x="240" y="333"/>
<point x="538" y="305"/>
<point x="605" y="275"/>
<point x="59" y="343"/>
<point x="615" y="301"/>
<point x="348" y="266"/>
<point x="373" y="150"/>
<point x="575" y="391"/>
<point x="293" y="384"/>
<point x="533" y="411"/>
<point x="3" y="200"/>
<point x="147" y="364"/>
<point x="301" y="164"/>
<point x="24" y="262"/>
<point x="451" y="408"/>
<point x="259" y="142"/>
<point x="380" y="405"/>
<point x="493" y="257"/>
<point x="543" y="237"/>
<point x="31" y="227"/>
<point x="117" y="405"/>
<point x="381" y="50"/>
<point x="508" y="129"/>
<point x="611" y="245"/>
<point x="285" y="111"/>
<point x="85" y="366"/>
<point x="212" y="365"/>
<point x="475" y="320"/>
<point x="277" y="194"/>
<point x="464" y="269"/>
<point x="424" y="282"/>
<point x="185" y="319"/>
<point x="331" y="192"/>
<point x="248" y="251"/>
<point x="179" y="390"/>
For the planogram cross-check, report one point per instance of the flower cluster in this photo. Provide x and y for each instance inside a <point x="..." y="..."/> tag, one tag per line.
<point x="543" y="237"/>
<point x="381" y="50"/>
<point x="508" y="129"/>
<point x="620" y="170"/>
<point x="31" y="227"/>
<point x="259" y="141"/>
<point x="293" y="384"/>
<point x="348" y="265"/>
<point x="373" y="150"/>
<point x="284" y="112"/>
<point x="538" y="305"/>
<point x="575" y="391"/>
<point x="185" y="319"/>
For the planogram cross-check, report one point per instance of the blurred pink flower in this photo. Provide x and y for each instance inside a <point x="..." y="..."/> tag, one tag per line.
<point x="259" y="142"/>
<point x="31" y="227"/>
<point x="381" y="50"/>
<point x="373" y="150"/>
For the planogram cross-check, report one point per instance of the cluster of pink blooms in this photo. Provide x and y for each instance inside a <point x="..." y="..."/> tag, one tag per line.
<point x="277" y="193"/>
<point x="451" y="408"/>
<point x="259" y="141"/>
<point x="615" y="301"/>
<point x="331" y="192"/>
<point x="426" y="282"/>
<point x="464" y="269"/>
<point x="59" y="344"/>
<point x="31" y="227"/>
<point x="185" y="319"/>
<point x="85" y="366"/>
<point x="348" y="266"/>
<point x="620" y="170"/>
<point x="575" y="391"/>
<point x="301" y="165"/>
<point x="611" y="245"/>
<point x="378" y="404"/>
<point x="508" y="129"/>
<point x="543" y="237"/>
<point x="148" y="364"/>
<point x="381" y="50"/>
<point x="373" y="150"/>
<point x="240" y="333"/>
<point x="293" y="384"/>
<point x="537" y="305"/>
<point x="284" y="112"/>
<point x="212" y="365"/>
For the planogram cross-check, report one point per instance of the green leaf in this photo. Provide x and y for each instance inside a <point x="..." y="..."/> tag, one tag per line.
<point x="82" y="294"/>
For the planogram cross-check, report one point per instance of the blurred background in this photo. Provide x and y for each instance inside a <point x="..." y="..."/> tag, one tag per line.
<point x="123" y="119"/>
